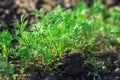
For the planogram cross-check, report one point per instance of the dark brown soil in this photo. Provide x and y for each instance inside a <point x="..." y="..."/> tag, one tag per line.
<point x="76" y="67"/>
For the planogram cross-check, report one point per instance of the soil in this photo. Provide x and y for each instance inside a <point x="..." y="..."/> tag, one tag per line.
<point x="75" y="67"/>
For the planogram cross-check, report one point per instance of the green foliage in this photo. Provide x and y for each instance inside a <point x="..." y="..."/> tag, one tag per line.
<point x="57" y="33"/>
<point x="5" y="42"/>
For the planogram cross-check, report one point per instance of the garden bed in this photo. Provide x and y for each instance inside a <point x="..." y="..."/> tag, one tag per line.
<point x="82" y="43"/>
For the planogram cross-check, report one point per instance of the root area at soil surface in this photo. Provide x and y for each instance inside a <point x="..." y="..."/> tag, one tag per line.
<point x="76" y="68"/>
